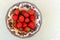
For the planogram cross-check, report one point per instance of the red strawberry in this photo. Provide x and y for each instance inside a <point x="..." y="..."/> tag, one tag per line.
<point x="32" y="25"/>
<point x="31" y="12"/>
<point x="14" y="25"/>
<point x="32" y="18"/>
<point x="15" y="17"/>
<point x="25" y="13"/>
<point x="19" y="25"/>
<point x="18" y="21"/>
<point x="27" y="29"/>
<point x="24" y="25"/>
<point x="21" y="18"/>
<point x="17" y="11"/>
<point x="27" y="20"/>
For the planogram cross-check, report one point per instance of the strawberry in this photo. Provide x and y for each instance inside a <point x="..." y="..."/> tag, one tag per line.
<point x="27" y="20"/>
<point x="19" y="25"/>
<point x="15" y="17"/>
<point x="25" y="13"/>
<point x="27" y="29"/>
<point x="32" y="18"/>
<point x="14" y="25"/>
<point x="21" y="18"/>
<point x="24" y="25"/>
<point x="17" y="11"/>
<point x="32" y="25"/>
<point x="18" y="21"/>
<point x="31" y="12"/>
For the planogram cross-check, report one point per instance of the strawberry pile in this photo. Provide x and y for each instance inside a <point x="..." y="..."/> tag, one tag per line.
<point x="24" y="20"/>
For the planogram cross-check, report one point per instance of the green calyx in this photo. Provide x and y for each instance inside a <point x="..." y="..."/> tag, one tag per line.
<point x="29" y="29"/>
<point x="20" y="29"/>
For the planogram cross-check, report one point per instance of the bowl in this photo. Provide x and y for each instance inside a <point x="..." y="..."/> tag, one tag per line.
<point x="23" y="6"/>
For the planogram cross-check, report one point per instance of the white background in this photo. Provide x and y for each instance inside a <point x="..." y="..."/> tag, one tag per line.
<point x="50" y="29"/>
